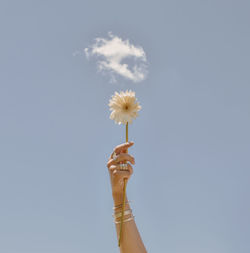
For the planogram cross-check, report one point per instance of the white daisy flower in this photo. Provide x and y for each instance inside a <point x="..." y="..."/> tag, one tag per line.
<point x="124" y="107"/>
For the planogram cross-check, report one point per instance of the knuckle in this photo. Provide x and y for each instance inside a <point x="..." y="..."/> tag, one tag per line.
<point x="131" y="157"/>
<point x="112" y="167"/>
<point x="130" y="169"/>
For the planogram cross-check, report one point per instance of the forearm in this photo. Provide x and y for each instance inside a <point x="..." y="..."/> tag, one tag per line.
<point x="131" y="241"/>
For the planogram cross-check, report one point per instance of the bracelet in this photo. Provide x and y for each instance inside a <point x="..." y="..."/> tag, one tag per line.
<point x="115" y="207"/>
<point x="129" y="219"/>
<point x="119" y="214"/>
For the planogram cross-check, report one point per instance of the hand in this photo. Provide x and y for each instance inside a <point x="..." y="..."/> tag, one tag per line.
<point x="116" y="174"/>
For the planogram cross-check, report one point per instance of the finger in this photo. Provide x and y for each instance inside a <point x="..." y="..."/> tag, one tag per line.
<point x="130" y="169"/>
<point x="121" y="158"/>
<point x="124" y="157"/>
<point x="113" y="168"/>
<point x="123" y="147"/>
<point x="119" y="175"/>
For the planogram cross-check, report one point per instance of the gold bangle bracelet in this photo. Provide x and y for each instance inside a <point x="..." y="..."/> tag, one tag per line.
<point x="129" y="219"/>
<point x="119" y="214"/>
<point x="119" y="206"/>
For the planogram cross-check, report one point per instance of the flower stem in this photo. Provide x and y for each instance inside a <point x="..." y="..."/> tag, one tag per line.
<point x="127" y="132"/>
<point x="123" y="207"/>
<point x="124" y="195"/>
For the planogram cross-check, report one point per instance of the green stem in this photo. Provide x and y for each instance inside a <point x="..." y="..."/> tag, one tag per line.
<point x="124" y="196"/>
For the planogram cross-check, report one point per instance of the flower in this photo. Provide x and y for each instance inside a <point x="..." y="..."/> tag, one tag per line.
<point x="124" y="107"/>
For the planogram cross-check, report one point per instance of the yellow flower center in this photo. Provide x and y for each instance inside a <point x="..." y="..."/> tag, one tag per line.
<point x="126" y="107"/>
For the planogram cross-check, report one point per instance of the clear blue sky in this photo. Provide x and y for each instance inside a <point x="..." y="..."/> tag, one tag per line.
<point x="190" y="189"/>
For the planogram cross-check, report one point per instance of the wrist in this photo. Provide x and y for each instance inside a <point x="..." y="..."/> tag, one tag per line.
<point x="118" y="198"/>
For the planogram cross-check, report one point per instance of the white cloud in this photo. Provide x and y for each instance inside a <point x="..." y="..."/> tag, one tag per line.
<point x="111" y="54"/>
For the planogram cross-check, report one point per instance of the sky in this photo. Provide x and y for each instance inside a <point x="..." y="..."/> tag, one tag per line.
<point x="190" y="188"/>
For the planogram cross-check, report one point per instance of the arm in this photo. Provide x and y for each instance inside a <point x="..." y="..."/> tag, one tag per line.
<point x="131" y="241"/>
